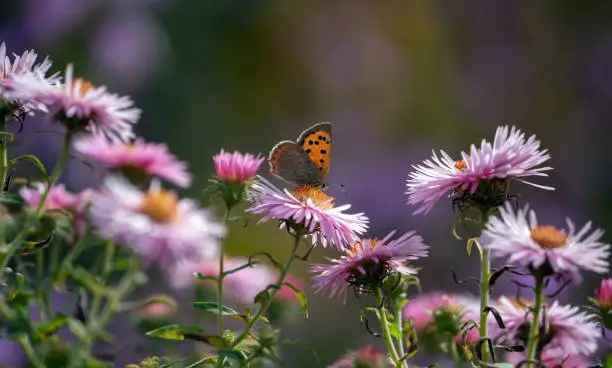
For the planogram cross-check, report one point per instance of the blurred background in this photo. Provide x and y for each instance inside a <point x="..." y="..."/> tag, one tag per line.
<point x="396" y="79"/>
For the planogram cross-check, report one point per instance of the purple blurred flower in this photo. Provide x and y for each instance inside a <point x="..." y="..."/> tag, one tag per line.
<point x="80" y="105"/>
<point x="236" y="167"/>
<point x="509" y="157"/>
<point x="520" y="239"/>
<point x="366" y="357"/>
<point x="22" y="65"/>
<point x="310" y="208"/>
<point x="150" y="159"/>
<point x="568" y="331"/>
<point x="369" y="260"/>
<point x="157" y="225"/>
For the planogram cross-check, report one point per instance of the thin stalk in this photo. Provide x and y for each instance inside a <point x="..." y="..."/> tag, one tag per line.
<point x="3" y="153"/>
<point x="221" y="277"/>
<point x="535" y="324"/>
<point x="485" y="274"/>
<point x="400" y="327"/>
<point x="57" y="171"/>
<point x="381" y="313"/>
<point x="30" y="352"/>
<point x="277" y="286"/>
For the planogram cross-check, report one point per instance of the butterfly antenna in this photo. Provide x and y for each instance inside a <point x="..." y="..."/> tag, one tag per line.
<point x="340" y="187"/>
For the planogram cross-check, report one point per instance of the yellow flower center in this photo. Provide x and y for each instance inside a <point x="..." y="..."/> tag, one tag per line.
<point x="315" y="194"/>
<point x="548" y="237"/>
<point x="84" y="86"/>
<point x="361" y="246"/>
<point x="460" y="165"/>
<point x="161" y="206"/>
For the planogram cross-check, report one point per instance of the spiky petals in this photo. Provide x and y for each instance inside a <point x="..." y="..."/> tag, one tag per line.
<point x="369" y="261"/>
<point x="311" y="210"/>
<point x="157" y="225"/>
<point x="24" y="64"/>
<point x="236" y="166"/>
<point x="511" y="156"/>
<point x="81" y="106"/>
<point x="136" y="160"/>
<point x="517" y="237"/>
<point x="367" y="357"/>
<point x="569" y="332"/>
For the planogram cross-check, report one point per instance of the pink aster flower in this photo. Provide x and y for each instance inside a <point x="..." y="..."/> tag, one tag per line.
<point x="426" y="309"/>
<point x="241" y="286"/>
<point x="24" y="64"/>
<point x="236" y="167"/>
<point x="510" y="157"/>
<point x="569" y="332"/>
<point x="603" y="294"/>
<point x="135" y="159"/>
<point x="367" y="357"/>
<point x="528" y="244"/>
<point x="310" y="208"/>
<point x="157" y="225"/>
<point x="368" y="262"/>
<point x="569" y="361"/>
<point x="81" y="106"/>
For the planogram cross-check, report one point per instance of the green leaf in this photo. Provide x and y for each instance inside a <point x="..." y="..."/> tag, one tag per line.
<point x="262" y="298"/>
<point x="232" y="354"/>
<point x="10" y="136"/>
<point x="78" y="329"/>
<point x="11" y="199"/>
<point x="301" y="297"/>
<point x="35" y="161"/>
<point x="32" y="246"/>
<point x="303" y="345"/>
<point x="51" y="327"/>
<point x="87" y="280"/>
<point x="212" y="307"/>
<point x="199" y="276"/>
<point x="180" y="332"/>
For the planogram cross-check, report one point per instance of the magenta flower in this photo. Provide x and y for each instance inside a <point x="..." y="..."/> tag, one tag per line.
<point x="240" y="287"/>
<point x="367" y="357"/>
<point x="135" y="159"/>
<point x="368" y="262"/>
<point x="24" y="64"/>
<point x="603" y="295"/>
<point x="157" y="225"/>
<point x="81" y="106"/>
<point x="528" y="244"/>
<point x="310" y="208"/>
<point x="569" y="331"/>
<point x="236" y="167"/>
<point x="568" y="361"/>
<point x="510" y="157"/>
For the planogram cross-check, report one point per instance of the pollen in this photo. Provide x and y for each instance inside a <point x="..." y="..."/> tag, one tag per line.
<point x="460" y="165"/>
<point x="549" y="237"/>
<point x="315" y="194"/>
<point x="361" y="246"/>
<point x="84" y="86"/>
<point x="161" y="206"/>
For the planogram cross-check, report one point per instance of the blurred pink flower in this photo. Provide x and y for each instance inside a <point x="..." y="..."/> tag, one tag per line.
<point x="157" y="225"/>
<point x="80" y="105"/>
<point x="236" y="166"/>
<point x="150" y="159"/>
<point x="241" y="286"/>
<point x="568" y="361"/>
<point x="310" y="208"/>
<point x="367" y="261"/>
<point x="522" y="241"/>
<point x="24" y="64"/>
<point x="569" y="331"/>
<point x="510" y="156"/>
<point x="366" y="357"/>
<point x="603" y="295"/>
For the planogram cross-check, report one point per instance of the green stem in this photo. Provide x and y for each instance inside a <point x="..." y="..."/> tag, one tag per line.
<point x="63" y="159"/>
<point x="30" y="352"/>
<point x="400" y="327"/>
<point x="277" y="286"/>
<point x="535" y="324"/>
<point x="3" y="153"/>
<point x="381" y="313"/>
<point x="221" y="277"/>
<point x="485" y="274"/>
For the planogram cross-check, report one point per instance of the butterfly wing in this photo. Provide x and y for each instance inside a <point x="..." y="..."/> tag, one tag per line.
<point x="316" y="141"/>
<point x="292" y="164"/>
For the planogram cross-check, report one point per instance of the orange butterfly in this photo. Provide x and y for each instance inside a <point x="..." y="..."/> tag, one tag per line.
<point x="307" y="161"/>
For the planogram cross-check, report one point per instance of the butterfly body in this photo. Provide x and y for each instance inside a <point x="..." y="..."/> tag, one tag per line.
<point x="306" y="161"/>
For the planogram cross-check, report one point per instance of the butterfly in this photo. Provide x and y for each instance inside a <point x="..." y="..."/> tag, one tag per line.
<point x="306" y="161"/>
